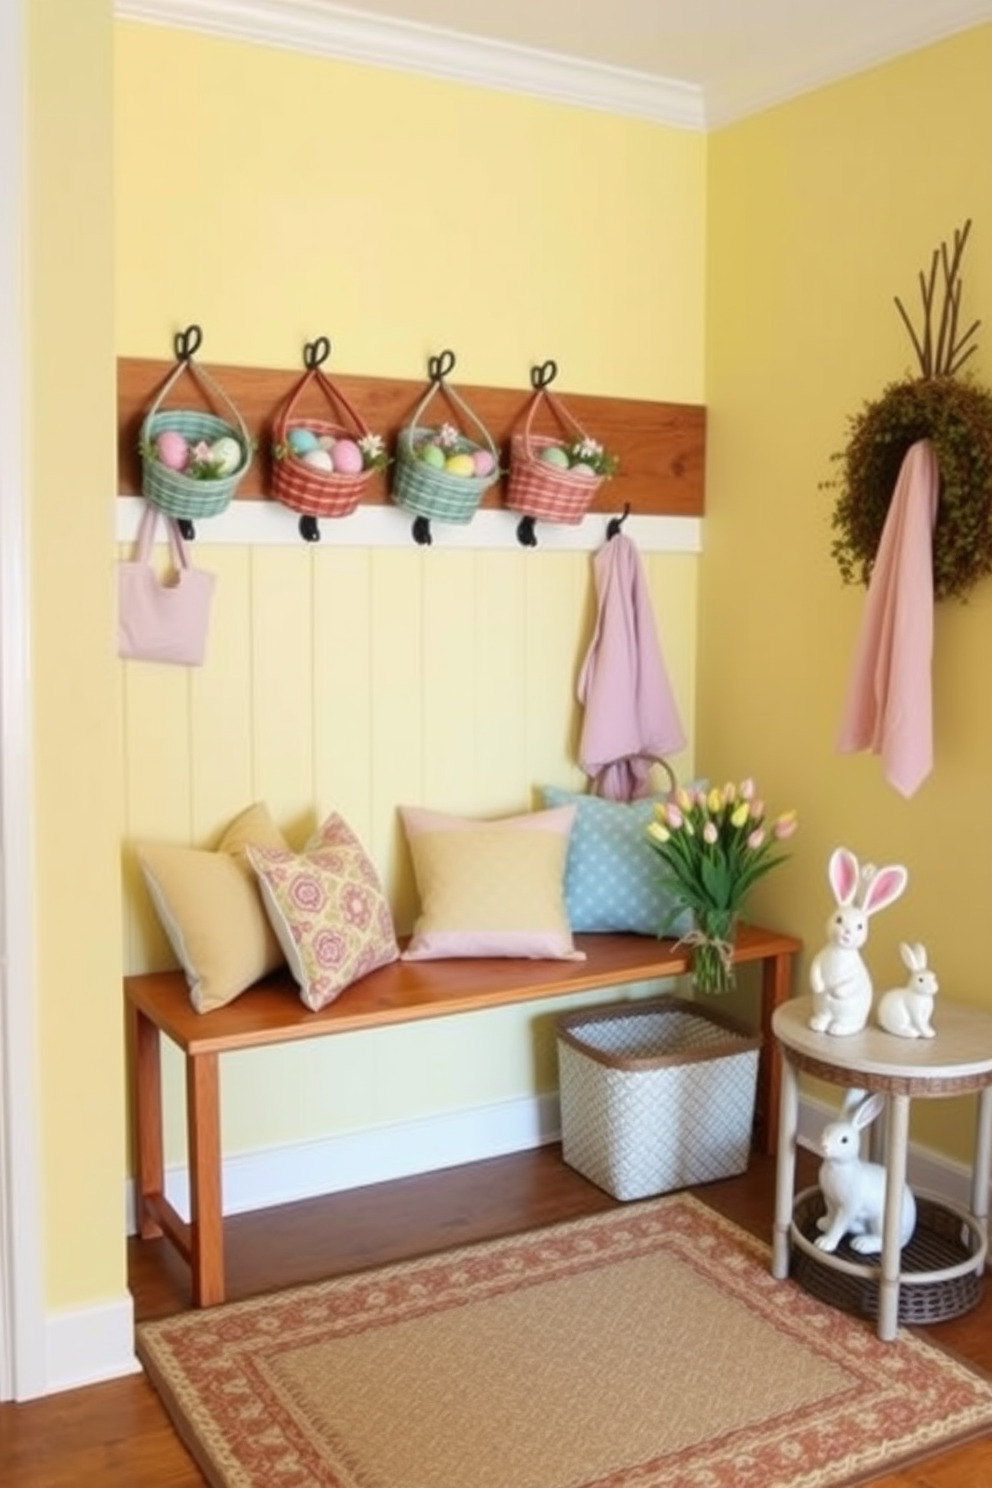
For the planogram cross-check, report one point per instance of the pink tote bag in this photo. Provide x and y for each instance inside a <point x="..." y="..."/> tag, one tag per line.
<point x="162" y="618"/>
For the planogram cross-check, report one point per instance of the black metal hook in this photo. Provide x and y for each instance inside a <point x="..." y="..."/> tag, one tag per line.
<point x="309" y="529"/>
<point x="186" y="529"/>
<point x="316" y="352"/>
<point x="614" y="525"/>
<point x="544" y="375"/>
<point x="526" y="536"/>
<point x="438" y="367"/>
<point x="187" y="342"/>
<point x="421" y="530"/>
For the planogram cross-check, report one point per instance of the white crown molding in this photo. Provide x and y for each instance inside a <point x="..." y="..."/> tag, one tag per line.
<point x="878" y="41"/>
<point x="325" y="29"/>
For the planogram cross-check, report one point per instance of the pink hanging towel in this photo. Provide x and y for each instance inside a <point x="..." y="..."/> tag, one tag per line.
<point x="629" y="708"/>
<point x="889" y="699"/>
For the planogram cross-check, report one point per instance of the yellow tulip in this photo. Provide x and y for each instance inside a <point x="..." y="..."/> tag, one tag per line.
<point x="658" y="832"/>
<point x="741" y="815"/>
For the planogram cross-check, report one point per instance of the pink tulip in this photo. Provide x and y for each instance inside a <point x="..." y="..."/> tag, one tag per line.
<point x="786" y="825"/>
<point x="747" y="789"/>
<point x="710" y="833"/>
<point x="756" y="838"/>
<point x="673" y="816"/>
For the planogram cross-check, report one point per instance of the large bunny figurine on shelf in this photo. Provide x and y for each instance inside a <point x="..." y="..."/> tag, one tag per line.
<point x="854" y="1191"/>
<point x="907" y="1011"/>
<point x="838" y="978"/>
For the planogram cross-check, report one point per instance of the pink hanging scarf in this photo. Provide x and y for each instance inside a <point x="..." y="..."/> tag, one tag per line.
<point x="889" y="700"/>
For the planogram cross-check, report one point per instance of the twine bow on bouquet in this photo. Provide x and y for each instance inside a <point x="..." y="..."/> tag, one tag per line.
<point x="714" y="846"/>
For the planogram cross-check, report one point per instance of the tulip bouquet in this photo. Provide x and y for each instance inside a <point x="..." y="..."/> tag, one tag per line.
<point x="715" y="845"/>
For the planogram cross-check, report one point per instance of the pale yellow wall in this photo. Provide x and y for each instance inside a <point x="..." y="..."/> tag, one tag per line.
<point x="820" y="212"/>
<point x="69" y="369"/>
<point x="271" y="197"/>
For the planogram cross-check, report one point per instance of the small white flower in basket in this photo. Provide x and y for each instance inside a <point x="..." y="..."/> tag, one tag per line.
<point x="374" y="455"/>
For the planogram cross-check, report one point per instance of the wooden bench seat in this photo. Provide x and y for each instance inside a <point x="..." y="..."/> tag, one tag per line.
<point x="158" y="1003"/>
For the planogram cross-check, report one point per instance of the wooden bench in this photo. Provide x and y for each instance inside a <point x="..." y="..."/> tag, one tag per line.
<point x="158" y="1003"/>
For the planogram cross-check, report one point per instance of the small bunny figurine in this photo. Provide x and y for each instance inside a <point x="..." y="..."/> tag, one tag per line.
<point x="854" y="1191"/>
<point x="839" y="978"/>
<point x="908" y="1010"/>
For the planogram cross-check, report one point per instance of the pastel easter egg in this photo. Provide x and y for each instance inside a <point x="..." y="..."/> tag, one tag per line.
<point x="583" y="469"/>
<point x="318" y="459"/>
<point x="433" y="455"/>
<point x="483" y="462"/>
<point x="346" y="457"/>
<point x="301" y="441"/>
<point x="172" y="449"/>
<point x="225" y="455"/>
<point x="326" y="441"/>
<point x="460" y="465"/>
<point x="553" y="454"/>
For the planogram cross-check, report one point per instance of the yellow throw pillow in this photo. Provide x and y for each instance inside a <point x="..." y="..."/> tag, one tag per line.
<point x="490" y="888"/>
<point x="211" y="909"/>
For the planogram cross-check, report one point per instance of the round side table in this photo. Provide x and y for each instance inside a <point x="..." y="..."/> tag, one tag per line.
<point x="958" y="1061"/>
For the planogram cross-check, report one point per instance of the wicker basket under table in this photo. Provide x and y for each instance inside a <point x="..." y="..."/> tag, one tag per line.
<point x="939" y="1279"/>
<point x="656" y="1094"/>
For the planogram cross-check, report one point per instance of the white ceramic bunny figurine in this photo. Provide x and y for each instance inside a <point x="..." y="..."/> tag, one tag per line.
<point x="854" y="1191"/>
<point x="908" y="1010"/>
<point x="839" y="978"/>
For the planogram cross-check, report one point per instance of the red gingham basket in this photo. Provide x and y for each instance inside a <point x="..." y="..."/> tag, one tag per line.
<point x="316" y="493"/>
<point x="548" y="492"/>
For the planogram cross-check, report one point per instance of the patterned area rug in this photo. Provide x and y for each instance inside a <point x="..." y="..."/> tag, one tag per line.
<point x="648" y="1347"/>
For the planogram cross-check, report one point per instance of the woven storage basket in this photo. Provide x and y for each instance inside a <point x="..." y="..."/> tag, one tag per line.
<point x="548" y="492"/>
<point x="176" y="493"/>
<point x="655" y="1095"/>
<point x="944" y="1240"/>
<point x="431" y="492"/>
<point x="317" y="493"/>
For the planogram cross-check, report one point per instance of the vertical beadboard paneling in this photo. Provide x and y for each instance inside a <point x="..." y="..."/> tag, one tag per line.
<point x="556" y="641"/>
<point x="395" y="760"/>
<point x="672" y="584"/>
<point x="221" y="746"/>
<point x="282" y="711"/>
<point x="343" y="681"/>
<point x="450" y="684"/>
<point x="501" y="674"/>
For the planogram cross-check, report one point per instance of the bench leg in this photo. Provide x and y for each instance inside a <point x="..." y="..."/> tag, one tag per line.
<point x="206" y="1215"/>
<point x="146" y="1098"/>
<point x="776" y="984"/>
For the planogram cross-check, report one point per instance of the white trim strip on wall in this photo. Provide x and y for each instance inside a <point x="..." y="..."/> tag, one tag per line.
<point x="22" y="1345"/>
<point x="308" y="1170"/>
<point x="247" y="523"/>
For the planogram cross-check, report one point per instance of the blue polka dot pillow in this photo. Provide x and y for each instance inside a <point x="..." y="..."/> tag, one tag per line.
<point x="612" y="872"/>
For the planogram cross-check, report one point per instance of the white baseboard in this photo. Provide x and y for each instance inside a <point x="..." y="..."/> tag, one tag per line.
<point x="306" y="1170"/>
<point x="88" y="1345"/>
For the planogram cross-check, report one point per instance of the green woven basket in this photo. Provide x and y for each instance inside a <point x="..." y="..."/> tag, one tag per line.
<point x="173" y="491"/>
<point x="432" y="492"/>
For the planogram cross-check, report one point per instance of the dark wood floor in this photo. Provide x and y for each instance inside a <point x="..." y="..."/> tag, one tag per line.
<point x="117" y="1435"/>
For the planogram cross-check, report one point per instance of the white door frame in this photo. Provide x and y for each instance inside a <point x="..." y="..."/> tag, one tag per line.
<point x="22" y="1316"/>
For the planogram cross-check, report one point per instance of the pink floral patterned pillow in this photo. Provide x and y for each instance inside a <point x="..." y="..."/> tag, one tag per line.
<point x="328" y="910"/>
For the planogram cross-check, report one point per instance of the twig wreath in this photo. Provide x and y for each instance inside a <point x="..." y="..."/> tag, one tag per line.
<point x="954" y="413"/>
